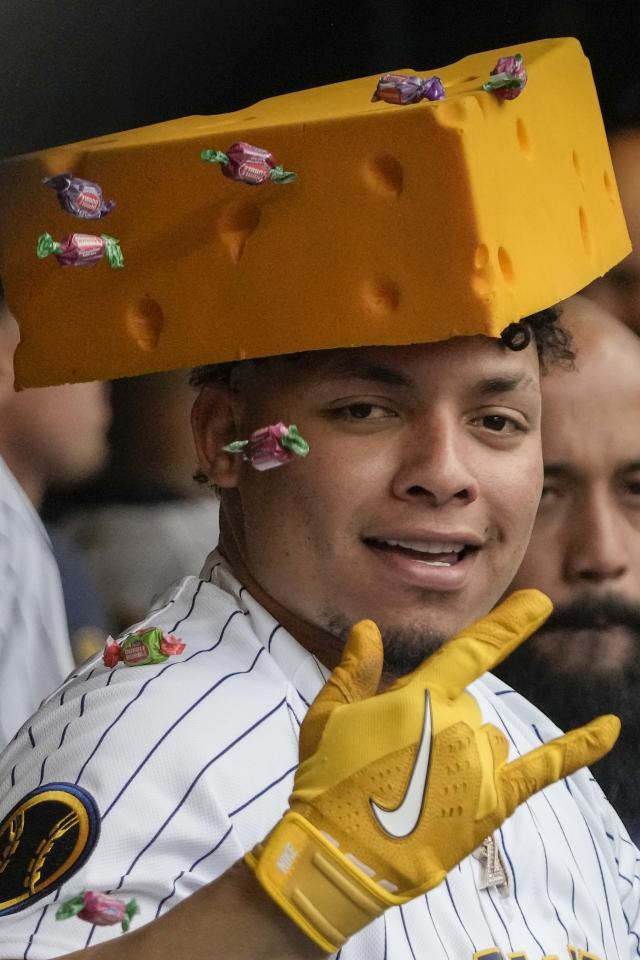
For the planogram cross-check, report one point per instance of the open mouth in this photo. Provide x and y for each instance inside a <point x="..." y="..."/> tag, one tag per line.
<point x="431" y="553"/>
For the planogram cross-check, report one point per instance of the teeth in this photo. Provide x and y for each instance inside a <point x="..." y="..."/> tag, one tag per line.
<point x="422" y="546"/>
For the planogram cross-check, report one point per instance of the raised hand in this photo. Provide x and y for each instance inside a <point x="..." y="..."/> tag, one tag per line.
<point x="395" y="788"/>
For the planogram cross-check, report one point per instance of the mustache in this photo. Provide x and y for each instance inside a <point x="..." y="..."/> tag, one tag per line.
<point x="594" y="612"/>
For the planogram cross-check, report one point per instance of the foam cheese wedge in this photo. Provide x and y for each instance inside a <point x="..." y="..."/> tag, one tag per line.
<point x="406" y="224"/>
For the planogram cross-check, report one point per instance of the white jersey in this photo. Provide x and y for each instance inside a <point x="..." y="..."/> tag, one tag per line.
<point x="35" y="654"/>
<point x="187" y="764"/>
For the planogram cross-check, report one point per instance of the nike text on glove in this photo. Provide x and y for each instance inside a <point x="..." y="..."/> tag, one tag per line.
<point x="394" y="789"/>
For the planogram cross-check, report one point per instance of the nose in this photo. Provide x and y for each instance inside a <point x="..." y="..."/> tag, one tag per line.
<point x="596" y="549"/>
<point x="435" y="467"/>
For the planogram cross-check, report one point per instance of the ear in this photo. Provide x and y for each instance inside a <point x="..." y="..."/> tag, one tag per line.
<point x="213" y="419"/>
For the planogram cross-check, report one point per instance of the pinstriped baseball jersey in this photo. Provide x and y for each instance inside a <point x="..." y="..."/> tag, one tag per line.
<point x="191" y="761"/>
<point x="35" y="655"/>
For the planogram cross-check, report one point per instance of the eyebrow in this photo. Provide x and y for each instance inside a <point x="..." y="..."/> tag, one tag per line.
<point x="569" y="472"/>
<point x="504" y="384"/>
<point x="562" y="470"/>
<point x="381" y="373"/>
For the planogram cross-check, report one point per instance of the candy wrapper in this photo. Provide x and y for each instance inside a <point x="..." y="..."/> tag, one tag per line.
<point x="81" y="250"/>
<point x="142" y="647"/>
<point x="401" y="88"/>
<point x="508" y="78"/>
<point x="271" y="446"/>
<point x="99" y="908"/>
<point x="248" y="164"/>
<point x="81" y="198"/>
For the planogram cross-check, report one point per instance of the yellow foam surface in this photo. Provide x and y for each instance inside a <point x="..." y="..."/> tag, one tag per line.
<point x="406" y="224"/>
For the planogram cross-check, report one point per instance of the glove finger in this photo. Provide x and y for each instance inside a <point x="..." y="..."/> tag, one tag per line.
<point x="557" y="759"/>
<point x="356" y="677"/>
<point x="485" y="643"/>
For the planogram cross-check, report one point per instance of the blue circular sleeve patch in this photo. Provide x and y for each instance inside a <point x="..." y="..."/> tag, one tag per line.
<point x="44" y="840"/>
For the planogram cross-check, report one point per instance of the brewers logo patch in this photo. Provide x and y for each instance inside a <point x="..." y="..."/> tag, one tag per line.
<point x="45" y="839"/>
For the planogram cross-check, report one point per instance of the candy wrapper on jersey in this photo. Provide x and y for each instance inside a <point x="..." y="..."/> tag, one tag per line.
<point x="142" y="647"/>
<point x="402" y="89"/>
<point x="99" y="908"/>
<point x="271" y="446"/>
<point x="81" y="250"/>
<point x="81" y="198"/>
<point x="508" y="78"/>
<point x="248" y="164"/>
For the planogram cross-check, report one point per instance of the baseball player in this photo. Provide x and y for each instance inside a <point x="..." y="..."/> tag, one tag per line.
<point x="289" y="757"/>
<point x="34" y="641"/>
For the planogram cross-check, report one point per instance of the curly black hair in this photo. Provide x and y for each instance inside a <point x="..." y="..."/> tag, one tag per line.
<point x="553" y="343"/>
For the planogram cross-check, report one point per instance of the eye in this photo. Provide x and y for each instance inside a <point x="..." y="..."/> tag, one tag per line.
<point x="496" y="423"/>
<point x="499" y="423"/>
<point x="632" y="487"/>
<point x="363" y="411"/>
<point x="549" y="494"/>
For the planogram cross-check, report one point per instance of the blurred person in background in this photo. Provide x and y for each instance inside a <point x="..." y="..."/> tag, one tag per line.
<point x="34" y="644"/>
<point x="144" y="523"/>
<point x="585" y="547"/>
<point x="56" y="435"/>
<point x="619" y="290"/>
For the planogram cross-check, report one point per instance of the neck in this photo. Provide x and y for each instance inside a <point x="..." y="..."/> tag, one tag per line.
<point x="322" y="644"/>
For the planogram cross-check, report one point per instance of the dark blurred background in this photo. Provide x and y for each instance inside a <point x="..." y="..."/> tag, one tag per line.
<point x="72" y="69"/>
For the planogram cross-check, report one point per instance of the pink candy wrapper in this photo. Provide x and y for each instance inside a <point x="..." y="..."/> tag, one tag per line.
<point x="248" y="164"/>
<point x="271" y="446"/>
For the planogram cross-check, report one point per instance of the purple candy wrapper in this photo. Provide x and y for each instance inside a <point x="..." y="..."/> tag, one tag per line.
<point x="401" y="89"/>
<point x="81" y="198"/>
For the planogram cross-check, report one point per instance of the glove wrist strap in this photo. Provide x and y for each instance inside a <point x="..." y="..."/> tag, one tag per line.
<point x="328" y="897"/>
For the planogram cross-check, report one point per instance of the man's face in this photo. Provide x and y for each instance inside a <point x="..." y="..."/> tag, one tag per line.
<point x="63" y="430"/>
<point x="58" y="434"/>
<point x="586" y="540"/>
<point x="416" y="502"/>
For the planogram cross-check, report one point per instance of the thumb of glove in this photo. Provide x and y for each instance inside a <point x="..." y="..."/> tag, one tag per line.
<point x="356" y="677"/>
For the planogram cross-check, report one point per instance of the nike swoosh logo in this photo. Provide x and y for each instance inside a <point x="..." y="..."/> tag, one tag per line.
<point x="403" y="820"/>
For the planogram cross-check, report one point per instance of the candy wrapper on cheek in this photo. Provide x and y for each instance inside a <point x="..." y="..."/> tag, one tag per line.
<point x="271" y="446"/>
<point x="248" y="164"/>
<point x="401" y="88"/>
<point x="81" y="198"/>
<point x="142" y="647"/>
<point x="99" y="908"/>
<point x="81" y="250"/>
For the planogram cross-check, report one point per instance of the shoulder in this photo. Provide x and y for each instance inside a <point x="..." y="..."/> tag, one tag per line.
<point x="20" y="524"/>
<point x="174" y="758"/>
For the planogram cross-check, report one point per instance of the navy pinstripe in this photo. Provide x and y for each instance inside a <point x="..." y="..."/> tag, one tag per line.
<point x="154" y="677"/>
<point x="192" y="868"/>
<point x="406" y="932"/>
<point x="453" y="904"/>
<point x="176" y="723"/>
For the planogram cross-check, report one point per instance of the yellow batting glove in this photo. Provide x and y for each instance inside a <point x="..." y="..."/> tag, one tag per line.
<point x="394" y="789"/>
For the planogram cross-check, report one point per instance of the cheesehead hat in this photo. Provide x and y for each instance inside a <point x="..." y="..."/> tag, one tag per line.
<point x="406" y="223"/>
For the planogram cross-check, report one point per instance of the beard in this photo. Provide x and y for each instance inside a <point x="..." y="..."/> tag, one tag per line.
<point x="405" y="648"/>
<point x="565" y="670"/>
